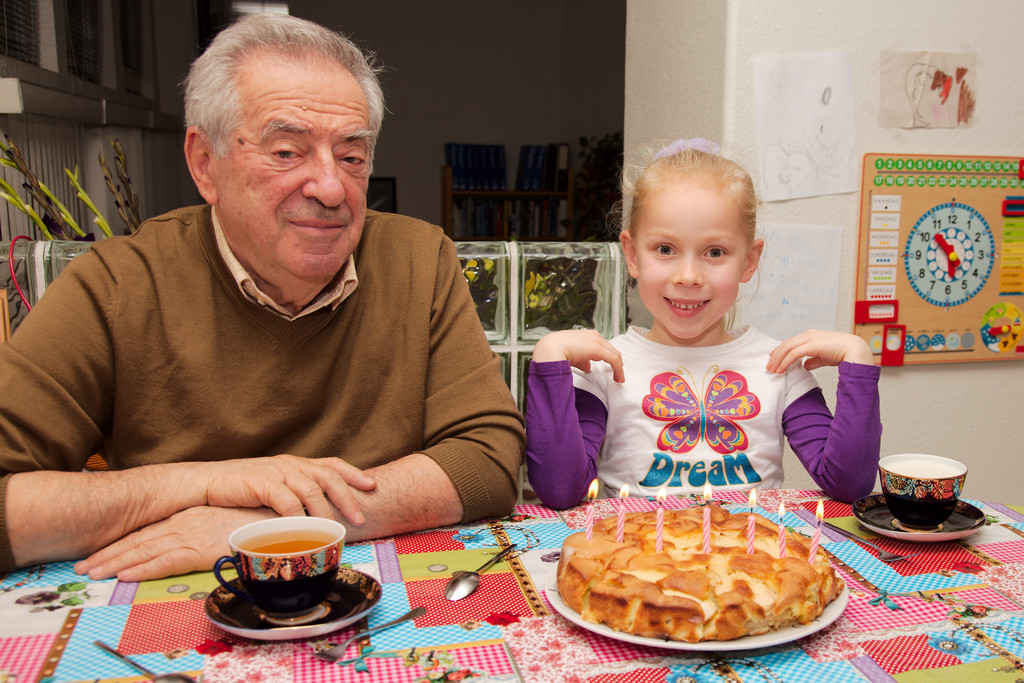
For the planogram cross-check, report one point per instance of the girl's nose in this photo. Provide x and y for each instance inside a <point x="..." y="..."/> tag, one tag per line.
<point x="688" y="273"/>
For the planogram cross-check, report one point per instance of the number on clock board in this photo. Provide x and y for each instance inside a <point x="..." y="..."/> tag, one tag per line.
<point x="949" y="254"/>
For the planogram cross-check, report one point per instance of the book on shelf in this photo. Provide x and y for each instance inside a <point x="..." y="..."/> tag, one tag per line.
<point x="547" y="181"/>
<point x="543" y="168"/>
<point x="521" y="168"/>
<point x="526" y="153"/>
<point x="476" y="167"/>
<point x="482" y="168"/>
<point x="540" y="160"/>
<point x="513" y="218"/>
<point x="562" y="167"/>
<point x="454" y="161"/>
<point x="531" y="167"/>
<point x="480" y="207"/>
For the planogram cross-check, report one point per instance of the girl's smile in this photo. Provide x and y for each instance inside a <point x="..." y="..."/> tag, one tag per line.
<point x="679" y="305"/>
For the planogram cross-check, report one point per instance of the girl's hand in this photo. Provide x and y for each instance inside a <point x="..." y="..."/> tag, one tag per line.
<point x="821" y="348"/>
<point x="579" y="347"/>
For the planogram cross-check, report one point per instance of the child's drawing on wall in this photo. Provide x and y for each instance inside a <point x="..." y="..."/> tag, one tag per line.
<point x="805" y="124"/>
<point x="927" y="90"/>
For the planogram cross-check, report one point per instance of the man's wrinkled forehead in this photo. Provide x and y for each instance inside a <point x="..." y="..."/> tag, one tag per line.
<point x="276" y="126"/>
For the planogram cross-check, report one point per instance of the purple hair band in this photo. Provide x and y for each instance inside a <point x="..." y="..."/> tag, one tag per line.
<point x="699" y="144"/>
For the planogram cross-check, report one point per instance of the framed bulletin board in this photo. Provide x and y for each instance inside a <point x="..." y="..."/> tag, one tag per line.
<point x="940" y="267"/>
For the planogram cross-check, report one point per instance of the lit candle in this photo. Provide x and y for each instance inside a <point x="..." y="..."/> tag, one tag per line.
<point x="750" y="522"/>
<point x="782" y="530"/>
<point x="591" y="495"/>
<point x="706" y="528"/>
<point x="819" y="513"/>
<point x="659" y="539"/>
<point x="621" y="525"/>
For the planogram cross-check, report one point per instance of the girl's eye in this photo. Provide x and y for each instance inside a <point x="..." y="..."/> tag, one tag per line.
<point x="663" y="249"/>
<point x="716" y="252"/>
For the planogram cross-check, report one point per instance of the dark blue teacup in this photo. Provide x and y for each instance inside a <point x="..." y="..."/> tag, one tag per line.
<point x="287" y="565"/>
<point x="921" y="491"/>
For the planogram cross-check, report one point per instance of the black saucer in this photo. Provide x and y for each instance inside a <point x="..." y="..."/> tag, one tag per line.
<point x="872" y="512"/>
<point x="353" y="595"/>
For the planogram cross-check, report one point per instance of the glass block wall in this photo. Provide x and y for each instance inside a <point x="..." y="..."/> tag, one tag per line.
<point x="36" y="264"/>
<point x="523" y="290"/>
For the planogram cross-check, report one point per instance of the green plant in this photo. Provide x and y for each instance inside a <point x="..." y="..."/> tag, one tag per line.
<point x="50" y="216"/>
<point x="125" y="198"/>
<point x="56" y="221"/>
<point x="597" y="188"/>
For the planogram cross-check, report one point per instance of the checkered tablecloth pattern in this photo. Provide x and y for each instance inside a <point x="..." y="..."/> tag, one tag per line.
<point x="957" y="609"/>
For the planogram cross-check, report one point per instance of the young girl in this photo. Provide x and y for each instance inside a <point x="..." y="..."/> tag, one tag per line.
<point x="691" y="401"/>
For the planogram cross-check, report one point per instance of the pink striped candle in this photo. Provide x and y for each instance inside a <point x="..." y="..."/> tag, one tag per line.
<point x="620" y="526"/>
<point x="659" y="539"/>
<point x="750" y="522"/>
<point x="819" y="514"/>
<point x="591" y="495"/>
<point x="782" y="530"/>
<point x="706" y="527"/>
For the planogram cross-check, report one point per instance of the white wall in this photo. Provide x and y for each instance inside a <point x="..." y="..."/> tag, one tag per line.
<point x="689" y="73"/>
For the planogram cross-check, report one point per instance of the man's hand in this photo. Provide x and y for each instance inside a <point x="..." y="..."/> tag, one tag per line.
<point x="193" y="539"/>
<point x="189" y="541"/>
<point x="289" y="485"/>
<point x="94" y="510"/>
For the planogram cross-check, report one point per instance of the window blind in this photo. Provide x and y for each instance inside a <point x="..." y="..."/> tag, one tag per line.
<point x="19" y="38"/>
<point x="85" y="38"/>
<point x="131" y="35"/>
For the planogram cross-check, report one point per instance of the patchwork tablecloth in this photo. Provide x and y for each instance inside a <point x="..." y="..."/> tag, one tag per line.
<point x="953" y="613"/>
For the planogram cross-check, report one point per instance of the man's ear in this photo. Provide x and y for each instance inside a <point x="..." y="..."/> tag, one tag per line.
<point x="629" y="251"/>
<point x="201" y="163"/>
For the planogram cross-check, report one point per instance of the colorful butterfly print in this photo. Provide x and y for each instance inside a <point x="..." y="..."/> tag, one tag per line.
<point x="713" y="419"/>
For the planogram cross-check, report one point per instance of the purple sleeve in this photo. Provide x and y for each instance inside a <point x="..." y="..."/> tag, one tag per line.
<point x="564" y="431"/>
<point x="840" y="453"/>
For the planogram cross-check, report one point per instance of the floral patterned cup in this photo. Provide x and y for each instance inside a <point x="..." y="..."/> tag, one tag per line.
<point x="286" y="565"/>
<point x="921" y="490"/>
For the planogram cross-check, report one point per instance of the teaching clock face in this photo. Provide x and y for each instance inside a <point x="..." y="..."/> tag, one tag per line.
<point x="949" y="254"/>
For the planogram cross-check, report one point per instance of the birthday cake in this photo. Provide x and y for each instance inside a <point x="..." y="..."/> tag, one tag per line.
<point x="682" y="593"/>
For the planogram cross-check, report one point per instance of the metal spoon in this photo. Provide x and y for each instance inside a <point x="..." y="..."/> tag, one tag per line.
<point x="463" y="583"/>
<point x="883" y="554"/>
<point x="163" y="678"/>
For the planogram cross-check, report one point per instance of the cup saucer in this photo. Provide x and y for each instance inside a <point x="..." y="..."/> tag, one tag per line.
<point x="353" y="595"/>
<point x="874" y="515"/>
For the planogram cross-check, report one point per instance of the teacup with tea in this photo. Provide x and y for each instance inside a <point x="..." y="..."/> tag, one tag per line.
<point x="286" y="566"/>
<point x="920" y="490"/>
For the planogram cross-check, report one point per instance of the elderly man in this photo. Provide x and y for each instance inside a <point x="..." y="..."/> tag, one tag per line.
<point x="280" y="350"/>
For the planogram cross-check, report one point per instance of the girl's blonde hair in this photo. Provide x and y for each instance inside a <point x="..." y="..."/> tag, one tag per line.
<point x="680" y="162"/>
<point x="640" y="182"/>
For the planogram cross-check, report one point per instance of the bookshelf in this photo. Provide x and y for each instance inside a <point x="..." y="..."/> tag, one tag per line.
<point x="481" y="215"/>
